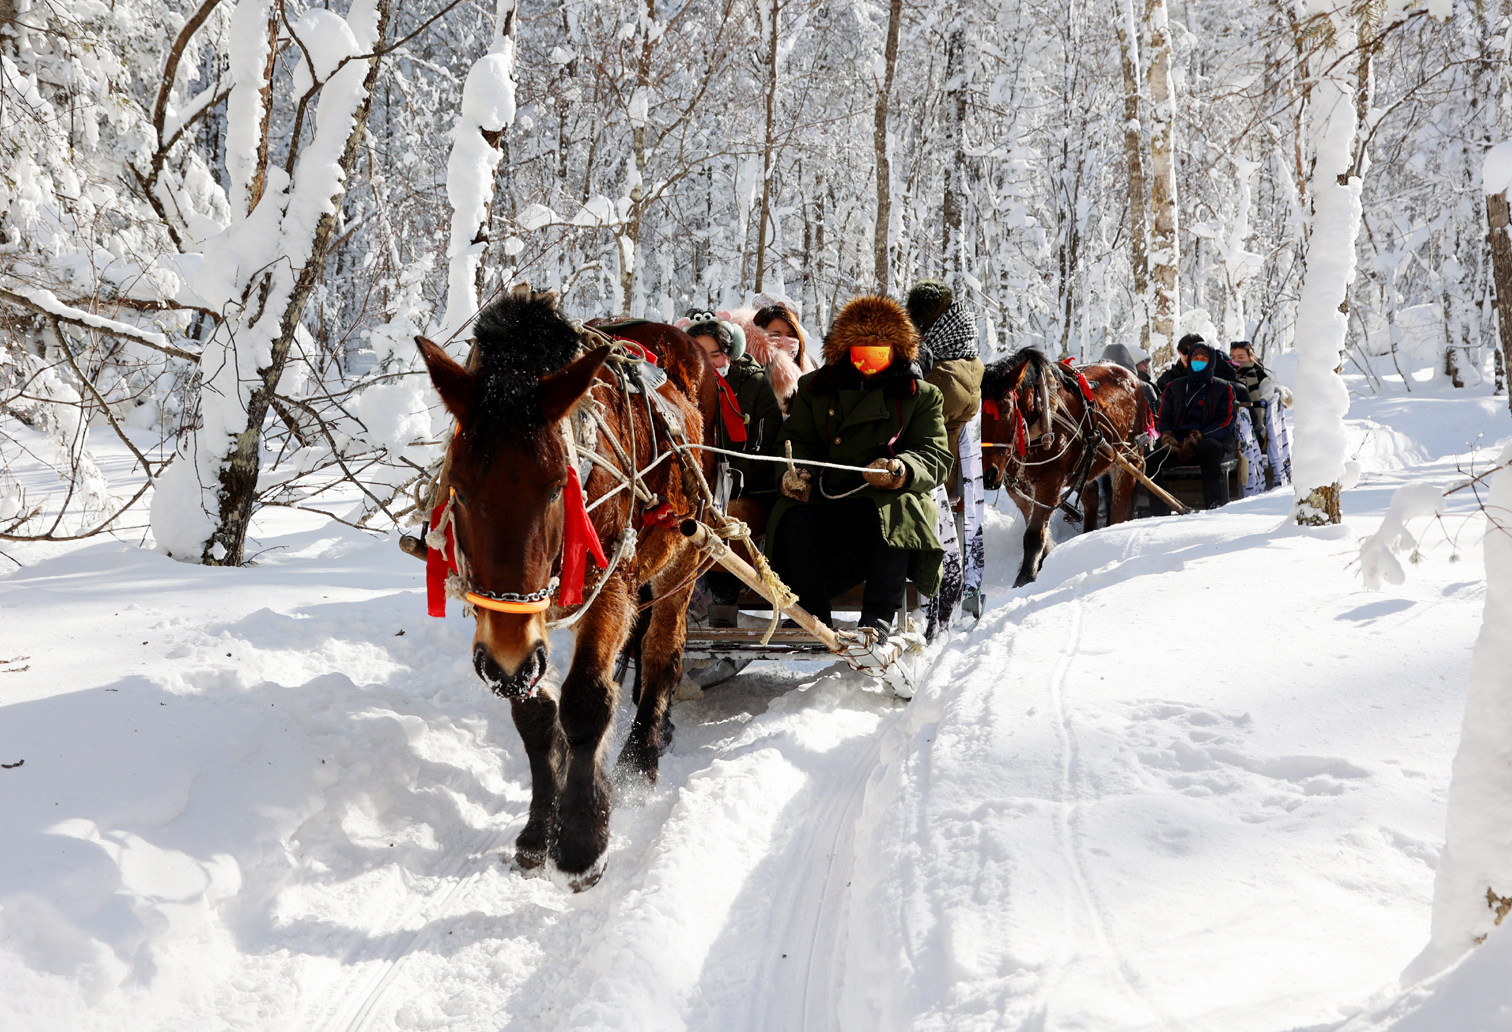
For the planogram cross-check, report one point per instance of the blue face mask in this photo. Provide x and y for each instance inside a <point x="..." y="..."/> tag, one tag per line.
<point x="1198" y="365"/>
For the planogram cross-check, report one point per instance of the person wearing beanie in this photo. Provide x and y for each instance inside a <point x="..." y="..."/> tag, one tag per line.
<point x="867" y="406"/>
<point x="753" y="486"/>
<point x="1223" y="368"/>
<point x="950" y="357"/>
<point x="1196" y="422"/>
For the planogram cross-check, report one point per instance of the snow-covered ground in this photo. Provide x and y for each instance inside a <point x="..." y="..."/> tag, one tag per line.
<point x="1193" y="778"/>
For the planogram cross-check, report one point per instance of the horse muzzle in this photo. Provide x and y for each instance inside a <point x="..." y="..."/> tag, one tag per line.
<point x="522" y="684"/>
<point x="991" y="478"/>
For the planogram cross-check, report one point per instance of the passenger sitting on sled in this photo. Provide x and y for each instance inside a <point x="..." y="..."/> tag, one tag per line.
<point x="752" y="485"/>
<point x="868" y="406"/>
<point x="1196" y="423"/>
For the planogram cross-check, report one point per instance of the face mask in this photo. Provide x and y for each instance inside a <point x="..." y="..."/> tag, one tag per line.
<point x="722" y="370"/>
<point x="1198" y="365"/>
<point x="871" y="360"/>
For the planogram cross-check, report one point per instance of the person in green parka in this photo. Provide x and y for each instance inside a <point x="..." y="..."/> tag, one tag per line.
<point x="753" y="485"/>
<point x="868" y="405"/>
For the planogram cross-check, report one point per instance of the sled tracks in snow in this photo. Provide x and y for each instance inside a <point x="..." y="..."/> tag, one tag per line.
<point x="357" y="996"/>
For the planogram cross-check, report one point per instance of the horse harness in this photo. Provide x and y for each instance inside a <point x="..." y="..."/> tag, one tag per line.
<point x="1087" y="430"/>
<point x="635" y="372"/>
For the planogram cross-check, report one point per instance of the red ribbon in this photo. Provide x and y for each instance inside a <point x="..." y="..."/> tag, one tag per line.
<point x="1020" y="434"/>
<point x="439" y="562"/>
<point x="1081" y="381"/>
<point x="579" y="537"/>
<point x="729" y="407"/>
<point x="990" y="408"/>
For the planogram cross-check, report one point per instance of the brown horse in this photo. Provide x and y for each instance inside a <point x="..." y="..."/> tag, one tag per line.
<point x="535" y="414"/>
<point x="1041" y="438"/>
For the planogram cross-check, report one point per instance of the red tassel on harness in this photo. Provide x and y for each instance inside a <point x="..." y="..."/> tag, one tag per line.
<point x="579" y="537"/>
<point x="729" y="407"/>
<point x="1081" y="381"/>
<point x="990" y="408"/>
<point x="439" y="562"/>
<point x="1020" y="434"/>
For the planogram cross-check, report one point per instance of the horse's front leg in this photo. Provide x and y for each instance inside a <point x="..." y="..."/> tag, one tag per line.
<point x="536" y="720"/>
<point x="661" y="667"/>
<point x="1037" y="532"/>
<point x="585" y="711"/>
<point x="1091" y="501"/>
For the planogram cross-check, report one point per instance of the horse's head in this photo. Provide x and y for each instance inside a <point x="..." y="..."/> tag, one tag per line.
<point x="505" y="472"/>
<point x="1005" y="402"/>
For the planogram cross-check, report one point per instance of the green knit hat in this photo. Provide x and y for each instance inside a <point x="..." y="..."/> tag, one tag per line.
<point x="927" y="301"/>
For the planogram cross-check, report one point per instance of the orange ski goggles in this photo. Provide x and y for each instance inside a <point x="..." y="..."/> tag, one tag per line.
<point x="871" y="360"/>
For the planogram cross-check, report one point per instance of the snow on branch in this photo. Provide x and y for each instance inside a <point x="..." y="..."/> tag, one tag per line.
<point x="45" y="302"/>
<point x="1378" y="553"/>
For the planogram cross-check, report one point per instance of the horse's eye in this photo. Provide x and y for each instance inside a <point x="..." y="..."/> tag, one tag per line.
<point x="557" y="493"/>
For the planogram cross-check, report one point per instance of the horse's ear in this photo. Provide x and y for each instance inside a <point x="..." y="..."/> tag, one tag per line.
<point x="562" y="389"/>
<point x="456" y="385"/>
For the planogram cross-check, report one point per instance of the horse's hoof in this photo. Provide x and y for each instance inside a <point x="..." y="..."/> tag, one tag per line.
<point x="578" y="881"/>
<point x="528" y="859"/>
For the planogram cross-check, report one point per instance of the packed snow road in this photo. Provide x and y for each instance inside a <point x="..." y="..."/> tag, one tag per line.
<point x="1191" y="779"/>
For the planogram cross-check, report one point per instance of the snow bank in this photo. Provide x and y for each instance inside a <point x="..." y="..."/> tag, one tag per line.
<point x="1477" y="857"/>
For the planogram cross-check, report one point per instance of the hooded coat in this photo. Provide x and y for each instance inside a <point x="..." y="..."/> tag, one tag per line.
<point x="1119" y="354"/>
<point x="835" y="416"/>
<point x="1199" y="401"/>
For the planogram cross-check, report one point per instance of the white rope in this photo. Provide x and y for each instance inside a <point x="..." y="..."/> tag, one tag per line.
<point x="781" y="459"/>
<point x="624" y="480"/>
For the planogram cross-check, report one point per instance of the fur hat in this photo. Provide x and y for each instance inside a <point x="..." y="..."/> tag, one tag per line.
<point x="872" y="319"/>
<point x="927" y="301"/>
<point x="730" y="337"/>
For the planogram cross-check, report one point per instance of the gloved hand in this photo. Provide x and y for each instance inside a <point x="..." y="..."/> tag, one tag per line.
<point x="1194" y="437"/>
<point x="1167" y="440"/>
<point x="890" y="474"/>
<point x="795" y="484"/>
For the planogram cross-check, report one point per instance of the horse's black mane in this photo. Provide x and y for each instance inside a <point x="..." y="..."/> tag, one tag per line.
<point x="520" y="338"/>
<point x="998" y="377"/>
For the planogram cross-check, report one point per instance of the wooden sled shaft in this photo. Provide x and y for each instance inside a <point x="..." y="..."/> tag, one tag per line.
<point x="1155" y="488"/>
<point x="707" y="541"/>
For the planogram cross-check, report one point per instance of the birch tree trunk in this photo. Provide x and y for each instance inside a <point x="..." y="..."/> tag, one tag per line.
<point x="1319" y="451"/>
<point x="1164" y="254"/>
<point x="204" y="504"/>
<point x="1128" y="44"/>
<point x="956" y="80"/>
<point x="1499" y="225"/>
<point x="766" y="151"/>
<point x="488" y="109"/>
<point x="880" y="251"/>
